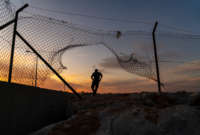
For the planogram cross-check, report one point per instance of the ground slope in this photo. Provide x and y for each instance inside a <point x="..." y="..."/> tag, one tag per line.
<point x="131" y="114"/>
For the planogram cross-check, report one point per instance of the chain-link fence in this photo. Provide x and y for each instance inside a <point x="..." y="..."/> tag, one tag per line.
<point x="131" y="49"/>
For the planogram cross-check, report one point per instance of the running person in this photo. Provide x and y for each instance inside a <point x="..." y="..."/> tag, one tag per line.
<point x="96" y="78"/>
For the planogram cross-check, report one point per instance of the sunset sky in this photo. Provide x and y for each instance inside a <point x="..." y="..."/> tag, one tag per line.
<point x="170" y="14"/>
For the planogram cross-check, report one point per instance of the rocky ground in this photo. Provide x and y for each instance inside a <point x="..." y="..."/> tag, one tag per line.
<point x="131" y="114"/>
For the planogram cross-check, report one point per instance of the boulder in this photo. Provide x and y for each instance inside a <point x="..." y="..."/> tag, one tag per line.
<point x="176" y="120"/>
<point x="194" y="99"/>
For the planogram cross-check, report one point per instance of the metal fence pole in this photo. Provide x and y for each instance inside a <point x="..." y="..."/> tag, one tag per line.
<point x="13" y="41"/>
<point x="36" y="70"/>
<point x="156" y="57"/>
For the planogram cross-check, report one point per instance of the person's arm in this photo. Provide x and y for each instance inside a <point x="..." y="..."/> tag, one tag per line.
<point x="92" y="76"/>
<point x="101" y="76"/>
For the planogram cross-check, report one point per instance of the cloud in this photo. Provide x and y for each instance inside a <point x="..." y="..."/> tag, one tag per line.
<point x="177" y="78"/>
<point x="184" y="76"/>
<point x="188" y="84"/>
<point x="190" y="67"/>
<point x="112" y="86"/>
<point x="58" y="85"/>
<point x="180" y="70"/>
<point x="110" y="63"/>
<point x="124" y="86"/>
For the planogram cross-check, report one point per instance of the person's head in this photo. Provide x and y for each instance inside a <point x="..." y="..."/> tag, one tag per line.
<point x="96" y="70"/>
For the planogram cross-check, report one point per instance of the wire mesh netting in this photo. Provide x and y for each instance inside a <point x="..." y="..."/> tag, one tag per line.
<point x="132" y="49"/>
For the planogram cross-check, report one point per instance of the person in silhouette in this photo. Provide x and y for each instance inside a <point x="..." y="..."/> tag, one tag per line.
<point x="96" y="78"/>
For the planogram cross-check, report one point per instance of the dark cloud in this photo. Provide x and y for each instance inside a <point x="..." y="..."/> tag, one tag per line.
<point x="189" y="84"/>
<point x="110" y="63"/>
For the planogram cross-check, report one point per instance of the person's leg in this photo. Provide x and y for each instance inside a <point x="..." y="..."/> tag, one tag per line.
<point x="94" y="90"/>
<point x="93" y="87"/>
<point x="96" y="87"/>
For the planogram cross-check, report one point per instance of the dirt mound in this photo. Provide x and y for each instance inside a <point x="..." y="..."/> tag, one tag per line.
<point x="138" y="114"/>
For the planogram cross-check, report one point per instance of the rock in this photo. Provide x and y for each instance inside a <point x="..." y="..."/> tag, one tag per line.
<point x="46" y="130"/>
<point x="179" y="120"/>
<point x="194" y="99"/>
<point x="178" y="98"/>
<point x="142" y="114"/>
<point x="176" y="120"/>
<point x="146" y="99"/>
<point x="155" y="99"/>
<point x="128" y="124"/>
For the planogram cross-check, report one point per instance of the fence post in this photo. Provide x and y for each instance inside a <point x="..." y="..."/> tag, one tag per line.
<point x="13" y="41"/>
<point x="156" y="57"/>
<point x="36" y="70"/>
